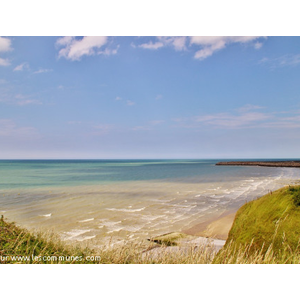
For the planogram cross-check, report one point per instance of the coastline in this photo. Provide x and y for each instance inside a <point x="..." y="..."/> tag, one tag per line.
<point x="138" y="209"/>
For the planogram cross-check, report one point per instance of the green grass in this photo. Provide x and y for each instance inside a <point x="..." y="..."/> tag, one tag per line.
<point x="268" y="226"/>
<point x="295" y="191"/>
<point x="169" y="239"/>
<point x="17" y="245"/>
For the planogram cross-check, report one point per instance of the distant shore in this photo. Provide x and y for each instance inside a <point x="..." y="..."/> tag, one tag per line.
<point x="286" y="164"/>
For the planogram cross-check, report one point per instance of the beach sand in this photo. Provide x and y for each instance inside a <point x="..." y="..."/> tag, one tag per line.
<point x="211" y="234"/>
<point x="217" y="228"/>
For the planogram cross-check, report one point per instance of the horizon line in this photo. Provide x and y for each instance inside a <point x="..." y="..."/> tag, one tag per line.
<point x="242" y="158"/>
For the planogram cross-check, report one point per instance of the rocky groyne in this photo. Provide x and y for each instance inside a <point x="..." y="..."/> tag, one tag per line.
<point x="287" y="164"/>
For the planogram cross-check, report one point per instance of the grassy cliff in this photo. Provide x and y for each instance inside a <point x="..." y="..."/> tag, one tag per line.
<point x="267" y="229"/>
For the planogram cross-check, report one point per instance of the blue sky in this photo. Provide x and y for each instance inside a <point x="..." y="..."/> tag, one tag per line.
<point x="149" y="97"/>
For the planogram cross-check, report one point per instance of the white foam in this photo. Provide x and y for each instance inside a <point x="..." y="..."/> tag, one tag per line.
<point x="163" y="200"/>
<point x="47" y="216"/>
<point x="134" y="228"/>
<point x="203" y="209"/>
<point x="126" y="209"/>
<point x="111" y="226"/>
<point x="75" y="233"/>
<point x="224" y="202"/>
<point x="86" y="238"/>
<point x="217" y="196"/>
<point x="185" y="206"/>
<point x="86" y="220"/>
<point x="215" y="189"/>
<point x="115" y="230"/>
<point x="170" y="211"/>
<point x="109" y="223"/>
<point x="152" y="218"/>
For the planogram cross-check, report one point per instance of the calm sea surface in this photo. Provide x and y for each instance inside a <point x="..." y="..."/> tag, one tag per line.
<point x="96" y="200"/>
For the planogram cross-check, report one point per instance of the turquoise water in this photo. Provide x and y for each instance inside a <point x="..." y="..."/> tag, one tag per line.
<point x="127" y="199"/>
<point x="38" y="173"/>
<point x="50" y="173"/>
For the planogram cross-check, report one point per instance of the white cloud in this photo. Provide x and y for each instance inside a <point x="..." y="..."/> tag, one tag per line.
<point x="4" y="62"/>
<point x="130" y="103"/>
<point x="158" y="97"/>
<point x="208" y="44"/>
<point x="152" y="46"/>
<point x="28" y="102"/>
<point x="20" y="96"/>
<point x="156" y="122"/>
<point x="74" y="48"/>
<point x="282" y="61"/>
<point x="8" y="128"/>
<point x="64" y="41"/>
<point x="108" y="51"/>
<point x="150" y="125"/>
<point x="249" y="107"/>
<point x="258" y="45"/>
<point x="20" y="100"/>
<point x="21" y="67"/>
<point x="140" y="128"/>
<point x="177" y="42"/>
<point x="5" y="44"/>
<point x="226" y="120"/>
<point x="75" y="122"/>
<point x="211" y="44"/>
<point x="102" y="129"/>
<point x="42" y="71"/>
<point x="243" y="117"/>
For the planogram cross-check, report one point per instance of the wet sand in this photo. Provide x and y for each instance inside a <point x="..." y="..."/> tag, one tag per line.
<point x="217" y="228"/>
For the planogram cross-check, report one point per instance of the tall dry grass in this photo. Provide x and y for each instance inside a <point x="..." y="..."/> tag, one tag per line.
<point x="15" y="241"/>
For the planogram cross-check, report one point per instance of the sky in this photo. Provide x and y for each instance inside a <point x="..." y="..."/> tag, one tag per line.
<point x="149" y="97"/>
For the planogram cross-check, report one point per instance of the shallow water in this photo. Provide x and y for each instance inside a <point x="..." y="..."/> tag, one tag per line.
<point x="131" y="199"/>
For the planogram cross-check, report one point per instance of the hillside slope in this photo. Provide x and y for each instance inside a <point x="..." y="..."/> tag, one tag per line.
<point x="269" y="225"/>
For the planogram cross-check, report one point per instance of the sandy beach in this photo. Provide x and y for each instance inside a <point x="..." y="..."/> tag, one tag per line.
<point x="217" y="228"/>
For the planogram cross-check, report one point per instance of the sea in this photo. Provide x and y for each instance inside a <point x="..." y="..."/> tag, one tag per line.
<point x="111" y="201"/>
